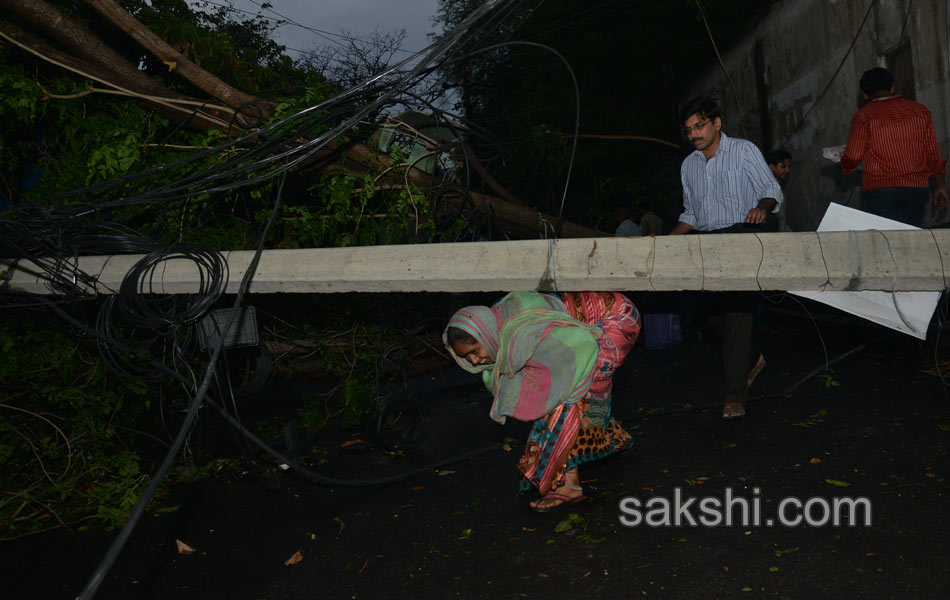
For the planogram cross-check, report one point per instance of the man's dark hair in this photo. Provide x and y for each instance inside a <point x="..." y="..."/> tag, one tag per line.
<point x="704" y="106"/>
<point x="876" y="80"/>
<point x="774" y="157"/>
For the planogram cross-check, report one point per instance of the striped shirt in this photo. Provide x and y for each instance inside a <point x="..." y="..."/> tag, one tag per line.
<point x="895" y="139"/>
<point x="720" y="192"/>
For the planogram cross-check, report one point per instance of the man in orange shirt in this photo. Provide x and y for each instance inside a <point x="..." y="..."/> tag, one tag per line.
<point x="895" y="139"/>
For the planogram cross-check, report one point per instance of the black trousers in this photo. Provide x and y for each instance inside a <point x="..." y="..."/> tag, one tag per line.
<point x="904" y="204"/>
<point x="730" y="314"/>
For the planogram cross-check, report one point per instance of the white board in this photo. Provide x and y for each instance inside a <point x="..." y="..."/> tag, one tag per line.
<point x="908" y="312"/>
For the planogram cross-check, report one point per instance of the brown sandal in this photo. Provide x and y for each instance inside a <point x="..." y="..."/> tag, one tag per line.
<point x="754" y="372"/>
<point x="563" y="501"/>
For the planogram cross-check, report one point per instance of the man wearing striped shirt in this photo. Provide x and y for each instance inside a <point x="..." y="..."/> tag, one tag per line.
<point x="895" y="139"/>
<point x="727" y="188"/>
<point x="726" y="183"/>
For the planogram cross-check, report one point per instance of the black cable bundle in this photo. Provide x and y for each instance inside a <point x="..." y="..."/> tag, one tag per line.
<point x="141" y="298"/>
<point x="149" y="349"/>
<point x="160" y="326"/>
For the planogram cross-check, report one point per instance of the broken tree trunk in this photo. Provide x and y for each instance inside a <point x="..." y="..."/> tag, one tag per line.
<point x="518" y="219"/>
<point x="176" y="61"/>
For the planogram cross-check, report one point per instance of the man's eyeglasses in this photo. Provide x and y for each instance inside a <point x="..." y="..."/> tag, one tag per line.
<point x="695" y="128"/>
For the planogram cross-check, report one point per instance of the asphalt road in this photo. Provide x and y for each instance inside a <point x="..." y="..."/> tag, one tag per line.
<point x="877" y="427"/>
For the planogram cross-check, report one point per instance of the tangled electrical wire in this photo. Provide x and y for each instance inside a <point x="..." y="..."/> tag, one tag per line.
<point x="157" y="323"/>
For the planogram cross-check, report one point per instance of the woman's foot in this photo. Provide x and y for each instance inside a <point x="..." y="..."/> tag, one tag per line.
<point x="569" y="493"/>
<point x="733" y="410"/>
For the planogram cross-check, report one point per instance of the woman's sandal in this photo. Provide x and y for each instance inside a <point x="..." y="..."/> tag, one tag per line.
<point x="755" y="370"/>
<point x="564" y="500"/>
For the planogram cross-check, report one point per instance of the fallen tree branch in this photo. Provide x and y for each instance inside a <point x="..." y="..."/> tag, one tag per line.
<point x="176" y="61"/>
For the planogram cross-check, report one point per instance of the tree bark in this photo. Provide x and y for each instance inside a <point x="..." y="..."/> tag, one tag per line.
<point x="162" y="102"/>
<point x="82" y="43"/>
<point x="176" y="61"/>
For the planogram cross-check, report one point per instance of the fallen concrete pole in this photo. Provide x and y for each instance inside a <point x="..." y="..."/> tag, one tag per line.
<point x="863" y="260"/>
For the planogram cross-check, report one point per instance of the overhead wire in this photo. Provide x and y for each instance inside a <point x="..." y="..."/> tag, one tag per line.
<point x="283" y="19"/>
<point x="577" y="112"/>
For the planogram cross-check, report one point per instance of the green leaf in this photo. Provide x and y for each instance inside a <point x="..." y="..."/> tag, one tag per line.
<point x="569" y="523"/>
<point x="838" y="482"/>
<point x="565" y="525"/>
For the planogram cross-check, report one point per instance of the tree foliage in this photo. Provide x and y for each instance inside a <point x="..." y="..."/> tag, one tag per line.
<point x="65" y="448"/>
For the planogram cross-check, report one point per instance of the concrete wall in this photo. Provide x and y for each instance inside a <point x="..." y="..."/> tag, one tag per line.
<point x="788" y="58"/>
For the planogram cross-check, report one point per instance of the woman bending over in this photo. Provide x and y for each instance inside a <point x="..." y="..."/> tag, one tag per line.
<point x="551" y="360"/>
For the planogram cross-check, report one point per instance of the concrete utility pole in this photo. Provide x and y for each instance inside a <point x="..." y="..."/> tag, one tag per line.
<point x="910" y="260"/>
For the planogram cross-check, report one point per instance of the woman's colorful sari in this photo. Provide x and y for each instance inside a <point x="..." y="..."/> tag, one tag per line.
<point x="554" y="363"/>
